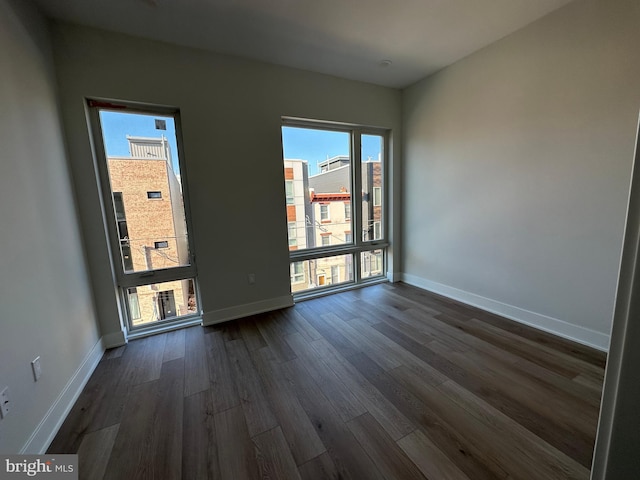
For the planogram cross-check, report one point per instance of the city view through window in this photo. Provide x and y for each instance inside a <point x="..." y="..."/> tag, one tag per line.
<point x="334" y="210"/>
<point x="324" y="211"/>
<point x="146" y="192"/>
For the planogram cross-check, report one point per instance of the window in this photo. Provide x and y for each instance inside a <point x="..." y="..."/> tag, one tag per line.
<point x="146" y="161"/>
<point x="335" y="274"/>
<point x="166" y="304"/>
<point x="127" y="259"/>
<point x="333" y="178"/>
<point x="121" y="218"/>
<point x="324" y="213"/>
<point x="293" y="240"/>
<point x="134" y="303"/>
<point x="288" y="185"/>
<point x="372" y="184"/>
<point x="377" y="196"/>
<point x="372" y="263"/>
<point x="297" y="272"/>
<point x="123" y="232"/>
<point x="118" y="205"/>
<point x="152" y="303"/>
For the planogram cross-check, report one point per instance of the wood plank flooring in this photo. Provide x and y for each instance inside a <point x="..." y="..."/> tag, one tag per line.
<point x="384" y="382"/>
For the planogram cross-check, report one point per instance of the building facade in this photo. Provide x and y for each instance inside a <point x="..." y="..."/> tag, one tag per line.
<point x="319" y="214"/>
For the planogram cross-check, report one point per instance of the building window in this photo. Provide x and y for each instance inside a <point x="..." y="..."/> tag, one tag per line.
<point x="297" y="272"/>
<point x="127" y="259"/>
<point x="372" y="264"/>
<point x="134" y="303"/>
<point x="348" y="237"/>
<point x="326" y="240"/>
<point x="162" y="244"/>
<point x="347" y="211"/>
<point x="288" y="186"/>
<point x="154" y="194"/>
<point x="166" y="304"/>
<point x="123" y="232"/>
<point x="121" y="218"/>
<point x="293" y="240"/>
<point x="335" y="274"/>
<point x="377" y="230"/>
<point x="324" y="213"/>
<point x="377" y="196"/>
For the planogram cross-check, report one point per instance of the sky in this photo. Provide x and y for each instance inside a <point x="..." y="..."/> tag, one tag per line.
<point x="318" y="145"/>
<point x="298" y="143"/>
<point x="117" y="125"/>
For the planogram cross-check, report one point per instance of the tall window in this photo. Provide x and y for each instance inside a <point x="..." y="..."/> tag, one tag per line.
<point x="324" y="213"/>
<point x="142" y="176"/>
<point x="339" y="176"/>
<point x="289" y="191"/>
<point x="293" y="234"/>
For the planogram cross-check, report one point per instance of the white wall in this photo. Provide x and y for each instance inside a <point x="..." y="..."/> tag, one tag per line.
<point x="231" y="113"/>
<point x="46" y="301"/>
<point x="517" y="168"/>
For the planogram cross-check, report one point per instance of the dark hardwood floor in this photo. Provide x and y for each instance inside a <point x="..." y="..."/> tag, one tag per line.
<point x="387" y="382"/>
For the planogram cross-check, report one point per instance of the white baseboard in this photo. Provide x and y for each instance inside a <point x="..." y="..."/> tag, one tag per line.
<point x="115" y="339"/>
<point x="239" y="311"/>
<point x="576" y="333"/>
<point x="52" y="421"/>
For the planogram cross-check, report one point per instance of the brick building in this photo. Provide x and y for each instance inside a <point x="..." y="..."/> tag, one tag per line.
<point x="151" y="225"/>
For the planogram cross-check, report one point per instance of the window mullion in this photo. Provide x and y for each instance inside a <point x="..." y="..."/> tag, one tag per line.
<point x="356" y="198"/>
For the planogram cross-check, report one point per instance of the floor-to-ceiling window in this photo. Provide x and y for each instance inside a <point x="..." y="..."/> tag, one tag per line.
<point x="141" y="170"/>
<point x="335" y="204"/>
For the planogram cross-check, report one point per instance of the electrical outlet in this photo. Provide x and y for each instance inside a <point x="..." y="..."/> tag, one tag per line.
<point x="4" y="402"/>
<point x="37" y="370"/>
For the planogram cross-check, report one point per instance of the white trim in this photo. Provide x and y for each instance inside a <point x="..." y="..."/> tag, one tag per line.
<point x="239" y="311"/>
<point x="576" y="333"/>
<point x="47" y="429"/>
<point x="115" y="339"/>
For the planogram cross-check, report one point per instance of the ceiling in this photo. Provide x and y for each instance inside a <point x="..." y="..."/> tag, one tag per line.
<point x="345" y="38"/>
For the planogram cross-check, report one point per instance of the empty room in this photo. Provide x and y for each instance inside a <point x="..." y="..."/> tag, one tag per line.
<point x="297" y="239"/>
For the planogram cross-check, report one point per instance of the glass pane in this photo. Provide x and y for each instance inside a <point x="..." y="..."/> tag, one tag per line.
<point x="161" y="301"/>
<point x="372" y="182"/>
<point x="144" y="174"/>
<point x="321" y="272"/>
<point x="372" y="263"/>
<point x="317" y="173"/>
